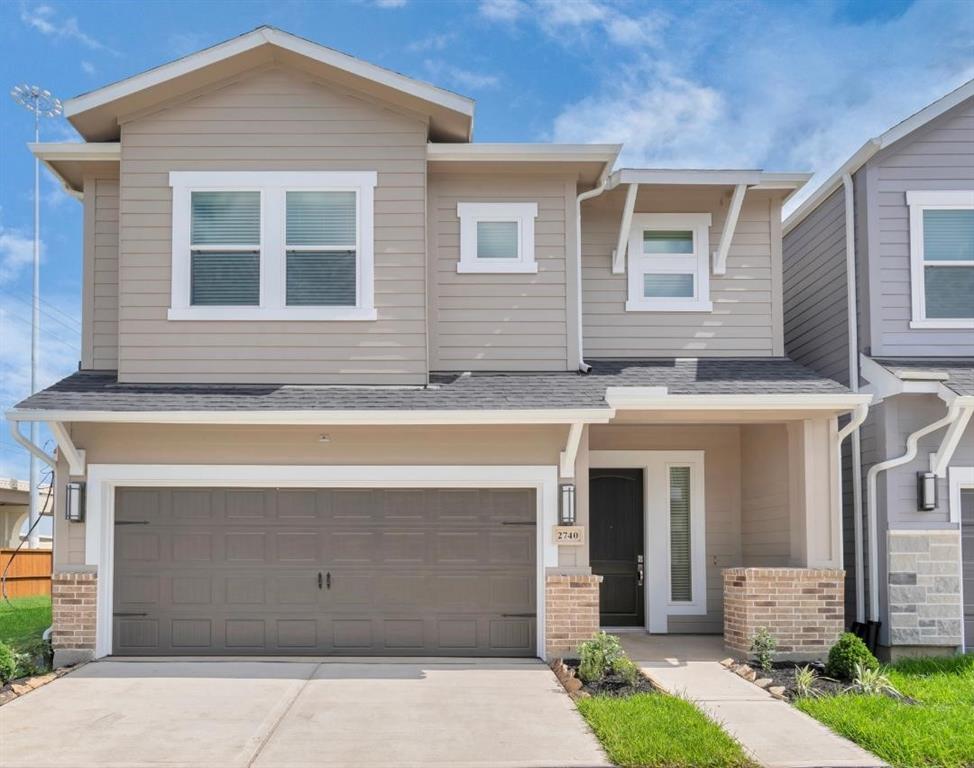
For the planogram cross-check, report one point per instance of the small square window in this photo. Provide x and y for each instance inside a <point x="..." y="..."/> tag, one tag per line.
<point x="497" y="237"/>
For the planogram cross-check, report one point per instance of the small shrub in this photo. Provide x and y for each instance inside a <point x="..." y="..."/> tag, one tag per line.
<point x="805" y="682"/>
<point x="597" y="655"/>
<point x="8" y="663"/>
<point x="871" y="682"/>
<point x="626" y="669"/>
<point x="763" y="646"/>
<point x="845" y="654"/>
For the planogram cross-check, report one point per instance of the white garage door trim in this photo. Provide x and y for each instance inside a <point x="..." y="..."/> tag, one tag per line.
<point x="103" y="479"/>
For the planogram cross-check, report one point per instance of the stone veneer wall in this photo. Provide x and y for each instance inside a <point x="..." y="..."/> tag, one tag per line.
<point x="801" y="607"/>
<point x="73" y="606"/>
<point x="571" y="612"/>
<point x="924" y="588"/>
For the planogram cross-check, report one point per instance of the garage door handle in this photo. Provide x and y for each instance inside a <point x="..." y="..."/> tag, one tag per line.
<point x="328" y="580"/>
<point x="519" y="615"/>
<point x="122" y="613"/>
<point x="319" y="579"/>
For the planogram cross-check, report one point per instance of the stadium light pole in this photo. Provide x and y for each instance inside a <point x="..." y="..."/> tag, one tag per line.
<point x="41" y="103"/>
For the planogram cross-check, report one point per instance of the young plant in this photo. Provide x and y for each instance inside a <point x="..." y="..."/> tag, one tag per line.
<point x="846" y="654"/>
<point x="763" y="646"/>
<point x="871" y="682"/>
<point x="597" y="655"/>
<point x="626" y="669"/>
<point x="805" y="682"/>
<point x="8" y="663"/>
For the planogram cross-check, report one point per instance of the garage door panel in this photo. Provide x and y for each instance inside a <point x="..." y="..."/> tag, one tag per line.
<point x="424" y="571"/>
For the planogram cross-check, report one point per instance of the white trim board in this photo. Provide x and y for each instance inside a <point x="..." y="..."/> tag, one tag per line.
<point x="958" y="479"/>
<point x="656" y="527"/>
<point x="103" y="479"/>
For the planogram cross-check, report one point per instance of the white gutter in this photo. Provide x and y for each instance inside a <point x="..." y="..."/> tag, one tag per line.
<point x="852" y="322"/>
<point x="28" y="445"/>
<point x="953" y="411"/>
<point x="583" y="367"/>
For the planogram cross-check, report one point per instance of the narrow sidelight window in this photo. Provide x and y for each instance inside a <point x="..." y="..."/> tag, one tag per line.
<point x="321" y="248"/>
<point x="225" y="249"/>
<point x="681" y="580"/>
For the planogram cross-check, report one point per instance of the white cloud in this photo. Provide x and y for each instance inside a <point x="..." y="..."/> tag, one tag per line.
<point x="435" y="42"/>
<point x="390" y="3"/>
<point x="16" y="253"/>
<point x="462" y="78"/>
<point x="88" y="68"/>
<point x="503" y="10"/>
<point x="578" y="20"/>
<point x="46" y="20"/>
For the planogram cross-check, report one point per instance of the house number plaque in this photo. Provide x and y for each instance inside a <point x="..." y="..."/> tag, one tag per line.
<point x="569" y="535"/>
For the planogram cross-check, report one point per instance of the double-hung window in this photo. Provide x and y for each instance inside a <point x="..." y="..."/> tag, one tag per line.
<point x="272" y="246"/>
<point x="669" y="264"/>
<point x="942" y="258"/>
<point x="497" y="237"/>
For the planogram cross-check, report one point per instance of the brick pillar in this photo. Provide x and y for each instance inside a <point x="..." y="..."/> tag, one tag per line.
<point x="801" y="607"/>
<point x="73" y="603"/>
<point x="571" y="612"/>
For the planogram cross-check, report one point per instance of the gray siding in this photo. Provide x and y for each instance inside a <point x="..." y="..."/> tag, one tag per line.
<point x="746" y="319"/>
<point x="496" y="321"/>
<point x="940" y="156"/>
<point x="273" y="120"/>
<point x="99" y="347"/>
<point x="815" y="290"/>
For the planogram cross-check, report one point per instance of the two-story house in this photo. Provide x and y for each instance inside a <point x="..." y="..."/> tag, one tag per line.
<point x="353" y="383"/>
<point x="879" y="295"/>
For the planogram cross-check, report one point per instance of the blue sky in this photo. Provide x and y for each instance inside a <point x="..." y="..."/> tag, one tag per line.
<point x="779" y="85"/>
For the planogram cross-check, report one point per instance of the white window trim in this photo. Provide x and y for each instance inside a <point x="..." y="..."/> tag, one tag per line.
<point x="656" y="529"/>
<point x="472" y="213"/>
<point x="918" y="202"/>
<point x="104" y="479"/>
<point x="640" y="263"/>
<point x="273" y="186"/>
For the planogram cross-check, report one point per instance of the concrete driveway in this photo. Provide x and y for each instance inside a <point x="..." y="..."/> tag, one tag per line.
<point x="232" y="713"/>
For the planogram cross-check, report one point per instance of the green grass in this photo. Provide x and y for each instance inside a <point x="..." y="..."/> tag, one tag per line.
<point x="24" y="619"/>
<point x="936" y="732"/>
<point x="661" y="731"/>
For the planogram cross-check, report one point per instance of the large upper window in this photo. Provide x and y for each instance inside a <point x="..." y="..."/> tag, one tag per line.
<point x="497" y="237"/>
<point x="942" y="258"/>
<point x="272" y="246"/>
<point x="669" y="265"/>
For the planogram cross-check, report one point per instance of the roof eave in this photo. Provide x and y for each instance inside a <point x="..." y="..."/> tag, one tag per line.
<point x="53" y="154"/>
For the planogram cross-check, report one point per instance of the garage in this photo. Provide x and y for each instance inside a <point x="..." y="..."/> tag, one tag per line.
<point x="314" y="571"/>
<point x="967" y="551"/>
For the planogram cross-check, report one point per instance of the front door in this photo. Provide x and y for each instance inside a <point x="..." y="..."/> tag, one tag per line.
<point x="616" y="546"/>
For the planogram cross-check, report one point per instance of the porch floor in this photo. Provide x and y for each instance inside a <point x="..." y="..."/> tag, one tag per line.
<point x="644" y="647"/>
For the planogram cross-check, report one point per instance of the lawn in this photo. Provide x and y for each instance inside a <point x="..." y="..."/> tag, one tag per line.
<point x="652" y="729"/>
<point x="24" y="619"/>
<point x="935" y="732"/>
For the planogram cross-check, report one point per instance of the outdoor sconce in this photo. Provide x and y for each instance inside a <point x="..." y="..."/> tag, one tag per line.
<point x="566" y="504"/>
<point x="926" y="491"/>
<point x="74" y="503"/>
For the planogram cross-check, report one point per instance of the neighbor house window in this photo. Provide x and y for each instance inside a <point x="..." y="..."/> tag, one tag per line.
<point x="272" y="245"/>
<point x="497" y="237"/>
<point x="668" y="264"/>
<point x="942" y="258"/>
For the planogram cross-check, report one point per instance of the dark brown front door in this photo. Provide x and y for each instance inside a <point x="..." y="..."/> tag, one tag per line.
<point x="616" y="547"/>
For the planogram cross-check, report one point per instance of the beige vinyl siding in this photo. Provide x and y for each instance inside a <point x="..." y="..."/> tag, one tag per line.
<point x="499" y="321"/>
<point x="273" y="120"/>
<point x="745" y="320"/>
<point x="99" y="348"/>
<point x="765" y="496"/>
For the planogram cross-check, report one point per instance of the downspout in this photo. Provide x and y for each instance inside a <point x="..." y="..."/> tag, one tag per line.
<point x="852" y="321"/>
<point x="911" y="451"/>
<point x="583" y="367"/>
<point x="31" y="448"/>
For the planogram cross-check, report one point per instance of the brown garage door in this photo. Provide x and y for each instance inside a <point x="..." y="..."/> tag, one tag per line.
<point x="324" y="571"/>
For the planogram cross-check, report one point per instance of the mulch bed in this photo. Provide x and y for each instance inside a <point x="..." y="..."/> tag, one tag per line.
<point x="609" y="685"/>
<point x="783" y="674"/>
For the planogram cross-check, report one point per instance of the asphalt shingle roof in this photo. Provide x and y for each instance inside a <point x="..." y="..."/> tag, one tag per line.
<point x="959" y="370"/>
<point x="101" y="391"/>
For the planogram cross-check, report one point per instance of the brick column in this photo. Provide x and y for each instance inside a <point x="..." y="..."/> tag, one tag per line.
<point x="801" y="607"/>
<point x="571" y="612"/>
<point x="73" y="604"/>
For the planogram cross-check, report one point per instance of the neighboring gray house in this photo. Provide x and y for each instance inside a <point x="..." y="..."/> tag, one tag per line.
<point x="894" y="227"/>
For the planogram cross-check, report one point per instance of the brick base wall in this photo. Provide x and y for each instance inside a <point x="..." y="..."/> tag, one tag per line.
<point x="571" y="613"/>
<point x="73" y="604"/>
<point x="801" y="607"/>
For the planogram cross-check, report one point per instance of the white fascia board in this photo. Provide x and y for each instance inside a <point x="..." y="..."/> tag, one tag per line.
<point x="265" y="36"/>
<point x="50" y="153"/>
<point x="321" y="417"/>
<point x="651" y="398"/>
<point x="754" y="178"/>
<point x="577" y="153"/>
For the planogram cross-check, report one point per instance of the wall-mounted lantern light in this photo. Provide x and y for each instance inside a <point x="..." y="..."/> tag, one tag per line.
<point x="566" y="504"/>
<point x="74" y="503"/>
<point x="926" y="491"/>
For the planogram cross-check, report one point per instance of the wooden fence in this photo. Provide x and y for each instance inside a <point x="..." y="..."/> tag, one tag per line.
<point x="30" y="573"/>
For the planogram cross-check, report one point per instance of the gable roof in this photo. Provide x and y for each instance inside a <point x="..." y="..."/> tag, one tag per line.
<point x="95" y="114"/>
<point x="861" y="156"/>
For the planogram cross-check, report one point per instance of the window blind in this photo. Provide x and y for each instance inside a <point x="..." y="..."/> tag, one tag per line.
<point x="496" y="239"/>
<point x="949" y="291"/>
<point x="948" y="235"/>
<point x="321" y="249"/>
<point x="225" y="248"/>
<point x="225" y="278"/>
<point x="321" y="278"/>
<point x="681" y="587"/>
<point x="321" y="219"/>
<point x="226" y="218"/>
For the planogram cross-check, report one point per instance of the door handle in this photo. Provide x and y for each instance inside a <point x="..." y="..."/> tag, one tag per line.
<point x="640" y="568"/>
<point x="328" y="580"/>
<point x="319" y="579"/>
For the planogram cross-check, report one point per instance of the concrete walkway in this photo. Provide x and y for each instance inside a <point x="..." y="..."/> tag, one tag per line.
<point x="775" y="733"/>
<point x="286" y="714"/>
